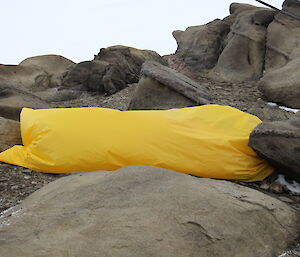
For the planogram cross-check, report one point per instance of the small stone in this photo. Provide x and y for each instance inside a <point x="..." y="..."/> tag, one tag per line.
<point x="285" y="199"/>
<point x="27" y="171"/>
<point x="276" y="188"/>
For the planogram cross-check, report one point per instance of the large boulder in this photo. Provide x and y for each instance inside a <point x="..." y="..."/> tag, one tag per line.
<point x="10" y="134"/>
<point x="283" y="85"/>
<point x="13" y="99"/>
<point x="98" y="76"/>
<point x="146" y="211"/>
<point x="128" y="59"/>
<point x="27" y="77"/>
<point x="200" y="46"/>
<point x="163" y="88"/>
<point x="55" y="66"/>
<point x="244" y="53"/>
<point x="283" y="41"/>
<point x="279" y="142"/>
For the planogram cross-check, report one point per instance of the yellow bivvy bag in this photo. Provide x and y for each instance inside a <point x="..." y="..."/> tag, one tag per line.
<point x="208" y="141"/>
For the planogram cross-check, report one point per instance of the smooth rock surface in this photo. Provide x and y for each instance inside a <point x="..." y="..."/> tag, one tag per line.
<point x="279" y="142"/>
<point x="146" y="211"/>
<point x="55" y="66"/>
<point x="10" y="134"/>
<point x="283" y="85"/>
<point x="26" y="77"/>
<point x="12" y="100"/>
<point x="244" y="52"/>
<point x="163" y="88"/>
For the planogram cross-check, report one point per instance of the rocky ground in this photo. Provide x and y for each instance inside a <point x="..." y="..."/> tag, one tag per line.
<point x="240" y="61"/>
<point x="16" y="183"/>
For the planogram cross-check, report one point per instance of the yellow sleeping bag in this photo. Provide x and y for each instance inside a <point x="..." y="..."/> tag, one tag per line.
<point x="208" y="141"/>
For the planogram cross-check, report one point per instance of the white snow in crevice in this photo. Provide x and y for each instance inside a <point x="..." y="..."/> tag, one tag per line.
<point x="291" y="253"/>
<point x="294" y="186"/>
<point x="284" y="107"/>
<point x="285" y="254"/>
<point x="11" y="212"/>
<point x="2" y="214"/>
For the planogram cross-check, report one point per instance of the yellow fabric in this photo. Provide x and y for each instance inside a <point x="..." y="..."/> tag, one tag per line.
<point x="208" y="141"/>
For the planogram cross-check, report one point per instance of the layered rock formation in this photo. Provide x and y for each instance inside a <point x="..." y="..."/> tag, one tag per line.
<point x="252" y="43"/>
<point x="283" y="38"/>
<point x="244" y="51"/>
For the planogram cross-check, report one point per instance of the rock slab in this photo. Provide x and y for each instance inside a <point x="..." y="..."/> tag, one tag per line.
<point x="163" y="88"/>
<point x="146" y="211"/>
<point x="279" y="141"/>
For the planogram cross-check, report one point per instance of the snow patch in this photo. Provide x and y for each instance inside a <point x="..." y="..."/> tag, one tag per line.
<point x="295" y="252"/>
<point x="294" y="186"/>
<point x="11" y="212"/>
<point x="283" y="107"/>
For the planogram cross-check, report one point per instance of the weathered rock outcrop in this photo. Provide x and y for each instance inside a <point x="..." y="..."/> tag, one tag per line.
<point x="10" y="134"/>
<point x="176" y="63"/>
<point x="111" y="70"/>
<point x="146" y="211"/>
<point x="27" y="77"/>
<point x="279" y="141"/>
<point x="244" y="53"/>
<point x="281" y="81"/>
<point x="200" y="46"/>
<point x="283" y="85"/>
<point x="55" y="66"/>
<point x="128" y="59"/>
<point x="12" y="100"/>
<point x="96" y="76"/>
<point x="283" y="40"/>
<point x="163" y="88"/>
